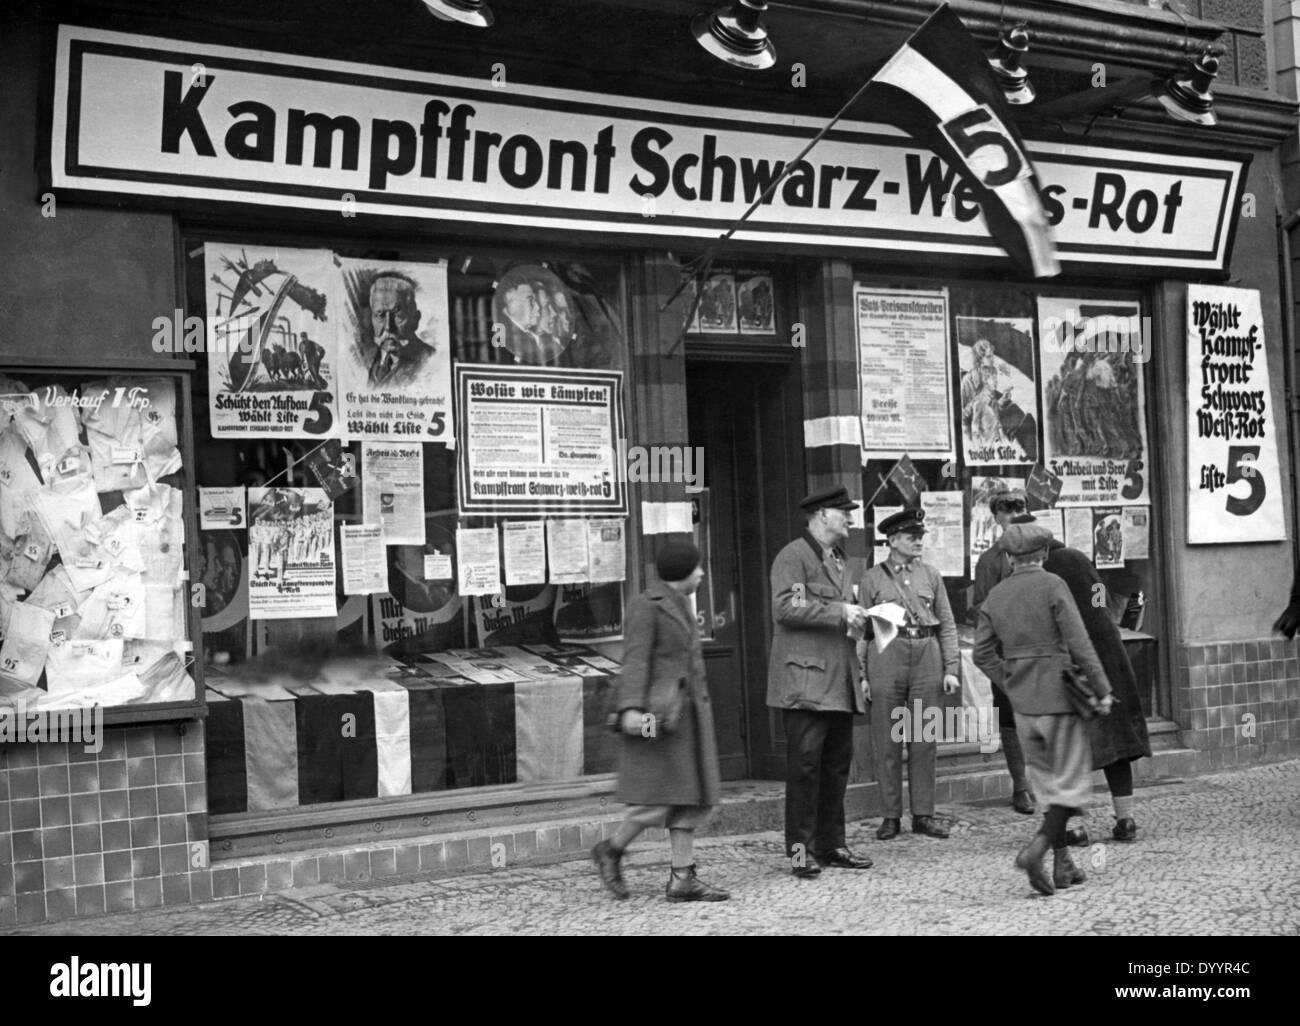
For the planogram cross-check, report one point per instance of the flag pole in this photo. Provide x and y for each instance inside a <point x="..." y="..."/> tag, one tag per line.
<point x="705" y="260"/>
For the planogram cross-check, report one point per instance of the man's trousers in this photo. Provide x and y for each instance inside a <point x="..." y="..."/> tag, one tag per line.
<point x="819" y="749"/>
<point x="908" y="671"/>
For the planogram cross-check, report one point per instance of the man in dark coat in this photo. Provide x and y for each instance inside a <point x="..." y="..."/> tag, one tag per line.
<point x="668" y="771"/>
<point x="1029" y="633"/>
<point x="994" y="565"/>
<point x="1120" y="738"/>
<point x="814" y="678"/>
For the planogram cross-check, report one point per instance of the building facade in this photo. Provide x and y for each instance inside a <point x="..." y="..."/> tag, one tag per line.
<point x="459" y="252"/>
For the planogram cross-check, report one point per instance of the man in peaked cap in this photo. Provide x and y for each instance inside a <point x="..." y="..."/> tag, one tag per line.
<point x="909" y="672"/>
<point x="1029" y="632"/>
<point x="813" y="678"/>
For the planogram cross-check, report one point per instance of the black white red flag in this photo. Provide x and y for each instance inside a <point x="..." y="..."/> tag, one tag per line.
<point x="939" y="89"/>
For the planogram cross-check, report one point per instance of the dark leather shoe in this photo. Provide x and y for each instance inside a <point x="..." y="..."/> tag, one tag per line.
<point x="610" y="868"/>
<point x="927" y="825"/>
<point x="889" y="829"/>
<point x="1077" y="837"/>
<point x="844" y="859"/>
<point x="1125" y="830"/>
<point x="805" y="867"/>
<point x="1064" y="872"/>
<point x="1023" y="802"/>
<point x="684" y="885"/>
<point x="1030" y="860"/>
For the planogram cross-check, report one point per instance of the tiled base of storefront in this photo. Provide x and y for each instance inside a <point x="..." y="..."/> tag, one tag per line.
<point x="88" y="832"/>
<point x="747" y="807"/>
<point x="1240" y="693"/>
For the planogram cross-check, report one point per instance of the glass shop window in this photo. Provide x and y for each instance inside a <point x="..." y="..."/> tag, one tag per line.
<point x="473" y="717"/>
<point x="1046" y="378"/>
<point x="93" y="481"/>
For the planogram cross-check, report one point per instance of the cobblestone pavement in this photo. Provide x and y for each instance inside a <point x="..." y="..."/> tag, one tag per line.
<point x="1216" y="854"/>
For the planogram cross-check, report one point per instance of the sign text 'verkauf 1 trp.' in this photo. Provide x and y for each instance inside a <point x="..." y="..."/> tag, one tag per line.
<point x="150" y="117"/>
<point x="1234" y="486"/>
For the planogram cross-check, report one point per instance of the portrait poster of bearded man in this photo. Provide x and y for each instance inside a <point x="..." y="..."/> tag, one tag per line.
<point x="395" y="350"/>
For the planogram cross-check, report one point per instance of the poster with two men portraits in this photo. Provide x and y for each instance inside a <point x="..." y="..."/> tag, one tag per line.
<point x="305" y="344"/>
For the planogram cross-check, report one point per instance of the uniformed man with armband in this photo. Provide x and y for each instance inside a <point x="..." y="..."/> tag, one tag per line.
<point x="914" y="666"/>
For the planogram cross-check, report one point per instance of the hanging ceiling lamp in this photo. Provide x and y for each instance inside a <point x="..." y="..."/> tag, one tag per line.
<point x="1187" y="96"/>
<point x="1007" y="66"/>
<point x="736" y="35"/>
<point x="467" y="12"/>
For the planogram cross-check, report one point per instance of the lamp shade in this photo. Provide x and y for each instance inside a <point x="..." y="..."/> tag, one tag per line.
<point x="736" y="35"/>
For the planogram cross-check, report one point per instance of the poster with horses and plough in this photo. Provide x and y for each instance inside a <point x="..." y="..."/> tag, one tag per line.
<point x="272" y="365"/>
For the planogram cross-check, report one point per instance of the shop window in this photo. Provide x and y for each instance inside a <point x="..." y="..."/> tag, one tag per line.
<point x="1047" y="377"/>
<point x="476" y="707"/>
<point x="94" y="607"/>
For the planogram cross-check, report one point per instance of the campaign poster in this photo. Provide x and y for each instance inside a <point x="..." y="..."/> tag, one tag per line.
<point x="393" y="490"/>
<point x="755" y="302"/>
<point x="394" y="351"/>
<point x="1234" y="482"/>
<point x="535" y="316"/>
<point x="365" y="570"/>
<point x="222" y="508"/>
<point x="1107" y="537"/>
<point x="523" y="614"/>
<point x="272" y="345"/>
<point x="534" y="442"/>
<point x="1094" y="409"/>
<point x="718" y="304"/>
<point x="945" y="532"/>
<point x="421" y="612"/>
<point x="1079" y="529"/>
<point x="606" y="549"/>
<point x="478" y="561"/>
<point x="904" y="369"/>
<point x="333" y="467"/>
<point x="999" y="391"/>
<point x="589" y="612"/>
<point x="523" y="549"/>
<point x="290" y="554"/>
<point x="1137" y="532"/>
<point x="984" y="529"/>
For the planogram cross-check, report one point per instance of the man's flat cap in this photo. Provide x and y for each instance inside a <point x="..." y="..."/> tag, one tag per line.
<point x="1021" y="539"/>
<point x="904" y="520"/>
<point x="828" y="498"/>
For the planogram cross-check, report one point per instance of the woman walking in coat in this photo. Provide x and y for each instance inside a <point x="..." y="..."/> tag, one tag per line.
<point x="1029" y="632"/>
<point x="1120" y="738"/>
<point x="668" y="769"/>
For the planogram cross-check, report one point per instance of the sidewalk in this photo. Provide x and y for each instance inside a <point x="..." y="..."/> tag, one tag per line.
<point x="1217" y="854"/>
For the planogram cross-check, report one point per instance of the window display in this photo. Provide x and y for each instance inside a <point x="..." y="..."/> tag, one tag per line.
<point x="422" y="572"/>
<point x="1048" y="388"/>
<point x="92" y="542"/>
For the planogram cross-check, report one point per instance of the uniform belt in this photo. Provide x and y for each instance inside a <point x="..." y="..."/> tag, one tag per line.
<point x="918" y="632"/>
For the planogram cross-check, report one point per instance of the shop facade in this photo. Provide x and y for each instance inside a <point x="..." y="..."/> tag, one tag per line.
<point x="366" y="598"/>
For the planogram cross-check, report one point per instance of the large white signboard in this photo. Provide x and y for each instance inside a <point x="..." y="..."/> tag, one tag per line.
<point x="1234" y="486"/>
<point x="133" y="116"/>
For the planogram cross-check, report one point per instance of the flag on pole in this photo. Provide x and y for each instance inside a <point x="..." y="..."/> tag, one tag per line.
<point x="939" y="88"/>
<point x="905" y="478"/>
<point x="1043" y="487"/>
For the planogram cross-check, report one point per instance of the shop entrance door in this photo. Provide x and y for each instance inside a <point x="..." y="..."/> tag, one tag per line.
<point x="746" y="420"/>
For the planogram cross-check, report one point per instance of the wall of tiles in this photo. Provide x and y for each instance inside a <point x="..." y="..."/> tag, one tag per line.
<point x="84" y="832"/>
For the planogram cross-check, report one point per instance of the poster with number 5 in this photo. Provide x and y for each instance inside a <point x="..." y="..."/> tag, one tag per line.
<point x="1234" y="482"/>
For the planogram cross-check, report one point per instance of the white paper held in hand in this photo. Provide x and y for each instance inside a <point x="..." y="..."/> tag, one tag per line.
<point x="886" y="618"/>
